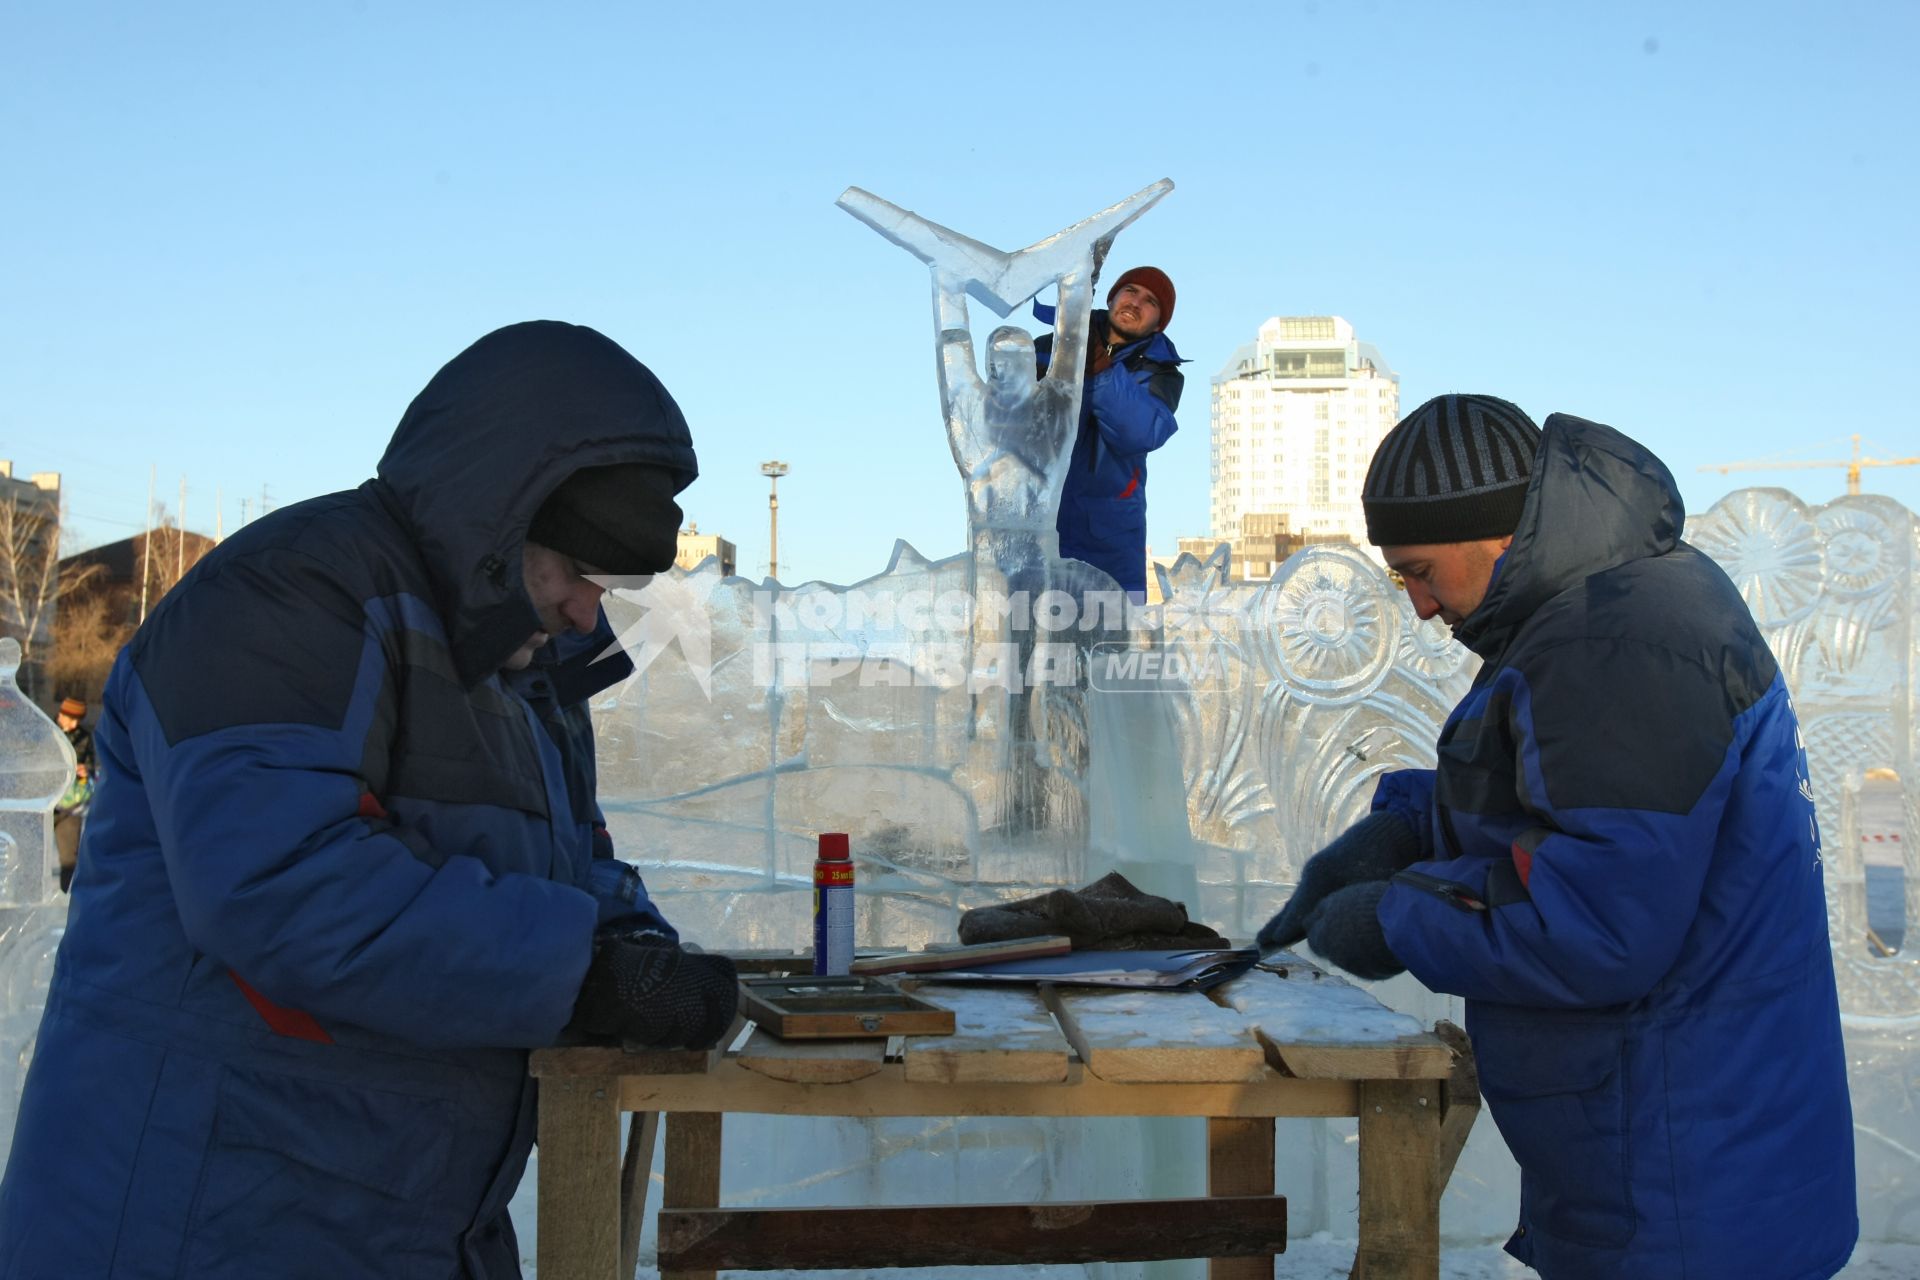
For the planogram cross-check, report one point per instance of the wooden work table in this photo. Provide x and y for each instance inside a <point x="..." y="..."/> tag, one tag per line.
<point x="1295" y="1042"/>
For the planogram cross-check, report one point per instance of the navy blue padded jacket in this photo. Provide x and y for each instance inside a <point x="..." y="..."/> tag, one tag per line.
<point x="1623" y="878"/>
<point x="1126" y="412"/>
<point x="336" y="882"/>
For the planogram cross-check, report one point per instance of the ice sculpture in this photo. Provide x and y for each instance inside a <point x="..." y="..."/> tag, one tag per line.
<point x="913" y="710"/>
<point x="1011" y="433"/>
<point x="36" y="764"/>
<point x="1833" y="590"/>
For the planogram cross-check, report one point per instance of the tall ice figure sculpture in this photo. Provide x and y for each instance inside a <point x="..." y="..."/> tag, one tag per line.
<point x="1011" y="433"/>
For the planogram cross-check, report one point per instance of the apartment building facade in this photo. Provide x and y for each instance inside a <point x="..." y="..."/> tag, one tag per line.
<point x="1296" y="415"/>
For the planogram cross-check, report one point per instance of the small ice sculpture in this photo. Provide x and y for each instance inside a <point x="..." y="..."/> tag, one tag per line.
<point x="36" y="764"/>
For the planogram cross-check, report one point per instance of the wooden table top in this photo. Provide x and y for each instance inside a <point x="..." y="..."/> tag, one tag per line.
<point x="1299" y="1022"/>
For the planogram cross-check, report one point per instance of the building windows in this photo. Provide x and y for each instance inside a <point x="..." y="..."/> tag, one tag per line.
<point x="1306" y="328"/>
<point x="1307" y="364"/>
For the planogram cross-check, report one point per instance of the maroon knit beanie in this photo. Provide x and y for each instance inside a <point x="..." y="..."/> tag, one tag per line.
<point x="1154" y="281"/>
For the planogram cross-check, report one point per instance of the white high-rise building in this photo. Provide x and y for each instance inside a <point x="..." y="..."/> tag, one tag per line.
<point x="1296" y="416"/>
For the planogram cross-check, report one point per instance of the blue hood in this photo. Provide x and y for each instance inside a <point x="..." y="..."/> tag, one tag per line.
<point x="1597" y="500"/>
<point x="496" y="431"/>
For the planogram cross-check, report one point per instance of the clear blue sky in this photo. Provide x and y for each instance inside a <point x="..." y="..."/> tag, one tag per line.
<point x="240" y="236"/>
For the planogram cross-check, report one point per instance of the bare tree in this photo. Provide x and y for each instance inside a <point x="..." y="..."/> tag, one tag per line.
<point x="99" y="613"/>
<point x="31" y="580"/>
<point x="89" y="630"/>
<point x="168" y="552"/>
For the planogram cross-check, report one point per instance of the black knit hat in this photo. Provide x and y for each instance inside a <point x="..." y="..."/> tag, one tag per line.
<point x="619" y="519"/>
<point x="1453" y="470"/>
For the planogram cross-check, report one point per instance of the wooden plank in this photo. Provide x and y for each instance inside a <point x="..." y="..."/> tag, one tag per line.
<point x="1169" y="1037"/>
<point x="1399" y="1149"/>
<point x="730" y="1087"/>
<point x="1240" y="1163"/>
<point x="1321" y="1027"/>
<point x="772" y="960"/>
<point x="973" y="1235"/>
<point x="579" y="1191"/>
<point x="1459" y="1104"/>
<point x="1004" y="1035"/>
<point x="811" y="1061"/>
<point x="642" y="1132"/>
<point x="612" y="1060"/>
<point x="692" y="1175"/>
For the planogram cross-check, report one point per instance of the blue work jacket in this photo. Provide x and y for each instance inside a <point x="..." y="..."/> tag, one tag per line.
<point x="1623" y="878"/>
<point x="336" y="880"/>
<point x="1126" y="412"/>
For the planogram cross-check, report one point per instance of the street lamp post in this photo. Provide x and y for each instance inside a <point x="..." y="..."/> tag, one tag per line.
<point x="773" y="471"/>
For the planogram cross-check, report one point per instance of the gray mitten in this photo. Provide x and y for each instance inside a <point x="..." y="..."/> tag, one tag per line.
<point x="1371" y="849"/>
<point x="1346" y="930"/>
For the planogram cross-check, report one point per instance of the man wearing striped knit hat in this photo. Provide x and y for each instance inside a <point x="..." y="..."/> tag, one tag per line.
<point x="1616" y="861"/>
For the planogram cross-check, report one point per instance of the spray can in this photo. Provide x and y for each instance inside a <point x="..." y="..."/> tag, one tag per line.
<point x="832" y="905"/>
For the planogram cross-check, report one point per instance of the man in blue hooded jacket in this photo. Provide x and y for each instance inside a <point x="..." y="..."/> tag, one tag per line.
<point x="1132" y="388"/>
<point x="341" y="873"/>
<point x="1616" y="861"/>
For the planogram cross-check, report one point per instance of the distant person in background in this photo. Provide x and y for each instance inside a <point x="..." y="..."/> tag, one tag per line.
<point x="69" y="815"/>
<point x="1132" y="388"/>
<point x="1616" y="861"/>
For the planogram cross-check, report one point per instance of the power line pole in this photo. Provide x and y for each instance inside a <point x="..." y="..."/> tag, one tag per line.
<point x="146" y="540"/>
<point x="773" y="471"/>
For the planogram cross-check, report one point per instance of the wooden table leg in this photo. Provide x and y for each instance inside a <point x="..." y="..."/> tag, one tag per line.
<point x="638" y="1167"/>
<point x="1461" y="1094"/>
<point x="692" y="1170"/>
<point x="579" y="1193"/>
<point x="1399" y="1153"/>
<point x="1240" y="1163"/>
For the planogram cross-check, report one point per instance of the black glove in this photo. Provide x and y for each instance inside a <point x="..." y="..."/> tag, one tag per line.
<point x="1346" y="930"/>
<point x="642" y="988"/>
<point x="1371" y="849"/>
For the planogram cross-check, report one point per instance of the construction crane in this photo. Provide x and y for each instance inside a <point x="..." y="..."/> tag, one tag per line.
<point x="1853" y="465"/>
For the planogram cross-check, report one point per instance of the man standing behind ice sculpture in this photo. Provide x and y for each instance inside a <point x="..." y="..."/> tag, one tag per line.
<point x="341" y="874"/>
<point x="1616" y="861"/>
<point x="1133" y="385"/>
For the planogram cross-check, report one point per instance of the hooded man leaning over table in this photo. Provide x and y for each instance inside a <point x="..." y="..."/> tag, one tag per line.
<point x="1616" y="861"/>
<point x="345" y="866"/>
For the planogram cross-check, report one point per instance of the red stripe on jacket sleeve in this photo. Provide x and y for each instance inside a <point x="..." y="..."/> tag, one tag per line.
<point x="1522" y="862"/>
<point x="291" y="1023"/>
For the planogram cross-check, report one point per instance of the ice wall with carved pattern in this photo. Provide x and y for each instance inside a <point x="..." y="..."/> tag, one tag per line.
<point x="1271" y="709"/>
